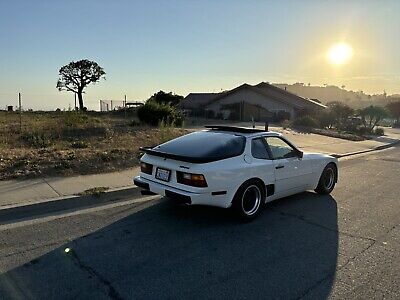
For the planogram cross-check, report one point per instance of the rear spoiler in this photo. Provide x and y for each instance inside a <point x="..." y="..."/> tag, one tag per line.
<point x="184" y="158"/>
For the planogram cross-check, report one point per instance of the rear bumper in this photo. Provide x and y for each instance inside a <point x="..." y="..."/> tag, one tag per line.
<point x="138" y="182"/>
<point x="181" y="196"/>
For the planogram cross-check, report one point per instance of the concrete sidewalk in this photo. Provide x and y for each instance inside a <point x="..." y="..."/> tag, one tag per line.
<point x="21" y="192"/>
<point x="310" y="142"/>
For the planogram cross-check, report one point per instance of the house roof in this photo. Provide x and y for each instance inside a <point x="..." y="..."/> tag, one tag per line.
<point x="291" y="98"/>
<point x="194" y="100"/>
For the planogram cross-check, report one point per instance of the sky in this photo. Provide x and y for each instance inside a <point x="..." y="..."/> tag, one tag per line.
<point x="193" y="46"/>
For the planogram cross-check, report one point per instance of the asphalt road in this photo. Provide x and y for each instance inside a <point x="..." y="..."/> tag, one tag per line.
<point x="306" y="246"/>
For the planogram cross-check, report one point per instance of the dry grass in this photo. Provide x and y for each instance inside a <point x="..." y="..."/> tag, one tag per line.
<point x="69" y="143"/>
<point x="96" y="191"/>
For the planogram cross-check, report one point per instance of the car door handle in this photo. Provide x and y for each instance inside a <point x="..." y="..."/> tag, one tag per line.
<point x="279" y="167"/>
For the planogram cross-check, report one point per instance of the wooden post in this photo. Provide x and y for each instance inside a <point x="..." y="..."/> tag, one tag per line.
<point x="125" y="105"/>
<point x="20" y="112"/>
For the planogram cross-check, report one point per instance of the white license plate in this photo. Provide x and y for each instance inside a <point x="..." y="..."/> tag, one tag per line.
<point x="163" y="174"/>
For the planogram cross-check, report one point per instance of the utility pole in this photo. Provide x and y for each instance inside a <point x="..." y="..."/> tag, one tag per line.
<point x="125" y="105"/>
<point x="20" y="112"/>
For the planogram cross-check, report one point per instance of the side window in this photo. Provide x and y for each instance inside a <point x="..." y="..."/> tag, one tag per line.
<point x="279" y="148"/>
<point x="258" y="149"/>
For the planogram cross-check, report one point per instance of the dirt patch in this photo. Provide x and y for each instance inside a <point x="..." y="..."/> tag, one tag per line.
<point x="47" y="146"/>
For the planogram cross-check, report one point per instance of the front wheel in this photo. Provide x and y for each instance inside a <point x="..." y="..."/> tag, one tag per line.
<point x="327" y="180"/>
<point x="248" y="200"/>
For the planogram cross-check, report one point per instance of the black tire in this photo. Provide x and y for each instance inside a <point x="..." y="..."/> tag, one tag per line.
<point x="249" y="200"/>
<point x="327" y="180"/>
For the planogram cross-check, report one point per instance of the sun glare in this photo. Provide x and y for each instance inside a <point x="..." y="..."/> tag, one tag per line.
<point x="340" y="54"/>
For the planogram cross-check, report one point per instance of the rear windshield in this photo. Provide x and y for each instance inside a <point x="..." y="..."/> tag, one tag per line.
<point x="205" y="144"/>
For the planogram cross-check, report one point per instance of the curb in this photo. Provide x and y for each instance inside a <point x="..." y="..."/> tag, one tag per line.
<point x="382" y="147"/>
<point x="61" y="204"/>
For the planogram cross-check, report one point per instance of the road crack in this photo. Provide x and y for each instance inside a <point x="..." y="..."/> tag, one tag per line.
<point x="349" y="260"/>
<point x="106" y="285"/>
<point x="325" y="227"/>
<point x="333" y="272"/>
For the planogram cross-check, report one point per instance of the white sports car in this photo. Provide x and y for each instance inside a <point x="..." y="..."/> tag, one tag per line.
<point x="232" y="166"/>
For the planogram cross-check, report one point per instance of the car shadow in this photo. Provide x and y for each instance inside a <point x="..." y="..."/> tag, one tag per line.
<point x="173" y="252"/>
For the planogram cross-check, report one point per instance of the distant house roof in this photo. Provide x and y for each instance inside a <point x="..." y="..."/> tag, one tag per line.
<point x="196" y="100"/>
<point x="290" y="98"/>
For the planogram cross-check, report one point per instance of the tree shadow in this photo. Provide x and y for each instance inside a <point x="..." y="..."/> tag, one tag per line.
<point x="171" y="252"/>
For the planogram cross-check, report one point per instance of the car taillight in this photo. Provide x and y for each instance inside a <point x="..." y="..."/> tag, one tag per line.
<point x="196" y="180"/>
<point x="146" y="168"/>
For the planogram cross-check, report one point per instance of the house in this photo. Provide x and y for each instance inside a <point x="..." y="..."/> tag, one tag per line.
<point x="262" y="102"/>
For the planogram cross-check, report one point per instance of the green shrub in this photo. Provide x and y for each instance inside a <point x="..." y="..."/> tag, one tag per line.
<point x="74" y="118"/>
<point x="306" y="121"/>
<point x="379" y="131"/>
<point x="36" y="139"/>
<point x="326" y="118"/>
<point x="153" y="113"/>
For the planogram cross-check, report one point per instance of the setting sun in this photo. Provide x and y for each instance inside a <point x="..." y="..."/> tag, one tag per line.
<point x="340" y="53"/>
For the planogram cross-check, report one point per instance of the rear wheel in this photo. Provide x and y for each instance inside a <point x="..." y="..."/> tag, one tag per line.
<point x="327" y="180"/>
<point x="248" y="200"/>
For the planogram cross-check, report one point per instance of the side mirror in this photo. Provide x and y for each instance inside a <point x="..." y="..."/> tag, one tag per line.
<point x="300" y="154"/>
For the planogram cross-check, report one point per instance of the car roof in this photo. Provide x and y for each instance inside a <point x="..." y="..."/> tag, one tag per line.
<point x="243" y="131"/>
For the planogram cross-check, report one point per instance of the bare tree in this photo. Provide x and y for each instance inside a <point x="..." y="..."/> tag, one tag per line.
<point x="75" y="76"/>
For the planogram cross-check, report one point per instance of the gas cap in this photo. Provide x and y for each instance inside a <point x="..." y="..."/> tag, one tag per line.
<point x="247" y="158"/>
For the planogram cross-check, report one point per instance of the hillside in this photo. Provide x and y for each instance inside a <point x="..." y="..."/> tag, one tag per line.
<point x="331" y="93"/>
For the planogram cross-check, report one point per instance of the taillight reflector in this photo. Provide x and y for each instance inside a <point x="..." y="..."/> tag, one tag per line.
<point x="146" y="168"/>
<point x="196" y="180"/>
